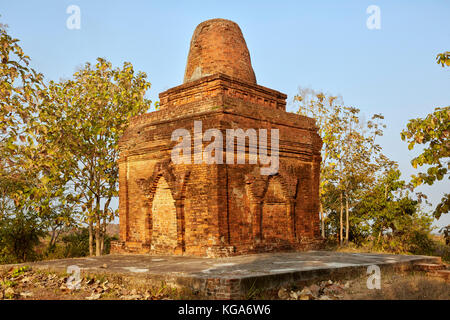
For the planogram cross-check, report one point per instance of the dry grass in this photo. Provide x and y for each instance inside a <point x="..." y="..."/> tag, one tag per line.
<point x="394" y="286"/>
<point x="440" y="249"/>
<point x="408" y="286"/>
<point x="42" y="285"/>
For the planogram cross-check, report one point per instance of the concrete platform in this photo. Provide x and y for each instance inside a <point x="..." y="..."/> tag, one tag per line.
<point x="233" y="277"/>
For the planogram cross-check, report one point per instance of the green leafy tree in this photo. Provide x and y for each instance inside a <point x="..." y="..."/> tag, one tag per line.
<point x="83" y="119"/>
<point x="25" y="167"/>
<point x="19" y="96"/>
<point x="433" y="133"/>
<point x="325" y="110"/>
<point x="349" y="151"/>
<point x="19" y="235"/>
<point x="396" y="222"/>
<point x="19" y="89"/>
<point x="360" y="159"/>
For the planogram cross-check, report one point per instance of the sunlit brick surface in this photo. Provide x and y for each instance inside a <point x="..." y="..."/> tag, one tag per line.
<point x="164" y="217"/>
<point x="218" y="46"/>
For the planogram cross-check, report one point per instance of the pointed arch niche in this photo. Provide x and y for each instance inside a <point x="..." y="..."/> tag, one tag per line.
<point x="164" y="217"/>
<point x="164" y="194"/>
<point x="272" y="207"/>
<point x="274" y="213"/>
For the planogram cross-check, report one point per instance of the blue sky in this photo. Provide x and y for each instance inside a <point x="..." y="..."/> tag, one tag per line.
<point x="324" y="45"/>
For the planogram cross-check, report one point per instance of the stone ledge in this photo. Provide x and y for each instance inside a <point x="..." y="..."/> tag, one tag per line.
<point x="233" y="277"/>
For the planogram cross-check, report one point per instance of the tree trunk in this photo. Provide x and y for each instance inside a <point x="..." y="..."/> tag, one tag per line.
<point x="340" y="219"/>
<point x="322" y="220"/>
<point x="97" y="237"/>
<point x="102" y="237"/>
<point x="105" y="220"/>
<point x="90" y="228"/>
<point x="52" y="239"/>
<point x="97" y="227"/>
<point x="347" y="227"/>
<point x="91" y="239"/>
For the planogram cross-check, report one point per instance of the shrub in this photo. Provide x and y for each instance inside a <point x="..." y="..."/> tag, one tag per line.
<point x="77" y="243"/>
<point x="421" y="243"/>
<point x="19" y="235"/>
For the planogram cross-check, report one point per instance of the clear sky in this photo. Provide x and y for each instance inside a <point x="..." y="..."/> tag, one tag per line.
<point x="324" y="45"/>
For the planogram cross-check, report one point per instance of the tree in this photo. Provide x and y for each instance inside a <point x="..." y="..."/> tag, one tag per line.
<point x="19" y="234"/>
<point x="83" y="119"/>
<point x="391" y="212"/>
<point x="59" y="216"/>
<point x="19" y="96"/>
<point x="24" y="167"/>
<point x="325" y="110"/>
<point x="349" y="151"/>
<point x="360" y="157"/>
<point x="19" y="86"/>
<point x="433" y="132"/>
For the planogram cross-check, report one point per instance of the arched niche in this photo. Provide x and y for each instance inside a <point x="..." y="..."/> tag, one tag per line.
<point x="275" y="213"/>
<point x="164" y="217"/>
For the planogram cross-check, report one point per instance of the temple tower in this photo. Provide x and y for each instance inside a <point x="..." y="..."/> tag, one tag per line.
<point x="218" y="209"/>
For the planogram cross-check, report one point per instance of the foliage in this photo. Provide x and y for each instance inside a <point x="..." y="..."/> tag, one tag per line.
<point x="446" y="234"/>
<point x="83" y="120"/>
<point x="325" y="110"/>
<point x="76" y="244"/>
<point x="443" y="59"/>
<point x="59" y="142"/>
<point x="349" y="151"/>
<point x="20" y="89"/>
<point x="20" y="271"/>
<point x="411" y="236"/>
<point x="382" y="206"/>
<point x="24" y="166"/>
<point x="392" y="218"/>
<point x="19" y="235"/>
<point x="357" y="178"/>
<point x="433" y="131"/>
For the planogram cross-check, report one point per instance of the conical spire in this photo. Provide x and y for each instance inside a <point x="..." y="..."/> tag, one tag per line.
<point x="218" y="46"/>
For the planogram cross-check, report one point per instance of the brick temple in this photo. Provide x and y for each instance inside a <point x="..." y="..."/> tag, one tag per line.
<point x="218" y="209"/>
